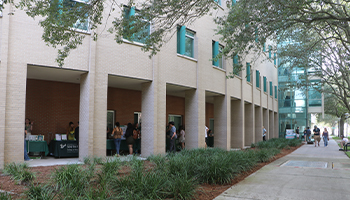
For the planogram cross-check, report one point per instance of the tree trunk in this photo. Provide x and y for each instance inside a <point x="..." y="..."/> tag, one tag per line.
<point x="341" y="126"/>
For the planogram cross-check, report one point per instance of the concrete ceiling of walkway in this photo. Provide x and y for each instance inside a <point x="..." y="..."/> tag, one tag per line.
<point x="54" y="74"/>
<point x="126" y="82"/>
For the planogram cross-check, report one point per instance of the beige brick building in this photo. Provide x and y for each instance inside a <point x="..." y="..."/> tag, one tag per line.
<point x="103" y="75"/>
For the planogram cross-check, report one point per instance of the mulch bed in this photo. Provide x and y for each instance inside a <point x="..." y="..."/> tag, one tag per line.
<point x="204" y="192"/>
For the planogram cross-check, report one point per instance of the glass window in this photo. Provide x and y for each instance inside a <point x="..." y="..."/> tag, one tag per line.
<point x="275" y="92"/>
<point x="257" y="79"/>
<point x="217" y="49"/>
<point x="248" y="72"/>
<point x="236" y="68"/>
<point x="74" y="10"/>
<point x="271" y="91"/>
<point x="185" y="41"/>
<point x="189" y="43"/>
<point x="144" y="31"/>
<point x="218" y="2"/>
<point x="265" y="84"/>
<point x="270" y="51"/>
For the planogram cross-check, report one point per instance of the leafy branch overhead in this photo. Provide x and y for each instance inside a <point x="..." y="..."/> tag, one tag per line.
<point x="245" y="28"/>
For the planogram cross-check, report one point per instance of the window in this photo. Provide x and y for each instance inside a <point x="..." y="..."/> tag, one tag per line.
<point x="274" y="59"/>
<point x="257" y="79"/>
<point x="218" y="2"/>
<point x="265" y="84"/>
<point x="248" y="72"/>
<point x="264" y="47"/>
<point x="233" y="2"/>
<point x="270" y="49"/>
<point x="271" y="91"/>
<point x="275" y="92"/>
<point x="141" y="35"/>
<point x="256" y="35"/>
<point x="217" y="49"/>
<point x="236" y="68"/>
<point x="185" y="41"/>
<point x="74" y="10"/>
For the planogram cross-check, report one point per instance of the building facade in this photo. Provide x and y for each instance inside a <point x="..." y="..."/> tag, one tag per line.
<point x="297" y="104"/>
<point x="102" y="78"/>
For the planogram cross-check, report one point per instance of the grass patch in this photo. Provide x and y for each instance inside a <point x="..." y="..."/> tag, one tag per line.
<point x="5" y="196"/>
<point x="19" y="172"/>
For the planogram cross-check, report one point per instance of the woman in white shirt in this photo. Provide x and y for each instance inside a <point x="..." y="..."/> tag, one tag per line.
<point x="182" y="137"/>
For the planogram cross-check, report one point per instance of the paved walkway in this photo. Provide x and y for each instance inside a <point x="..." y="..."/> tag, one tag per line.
<point x="306" y="173"/>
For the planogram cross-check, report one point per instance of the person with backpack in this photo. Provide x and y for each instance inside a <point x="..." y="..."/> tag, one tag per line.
<point x="317" y="135"/>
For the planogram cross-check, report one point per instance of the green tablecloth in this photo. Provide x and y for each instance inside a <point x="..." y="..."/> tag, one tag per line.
<point x="66" y="148"/>
<point x="37" y="146"/>
<point x="123" y="145"/>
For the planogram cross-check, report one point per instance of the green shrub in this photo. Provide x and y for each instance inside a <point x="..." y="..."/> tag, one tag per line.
<point x="19" y="172"/>
<point x="5" y="196"/>
<point x="40" y="192"/>
<point x="98" y="160"/>
<point x="72" y="180"/>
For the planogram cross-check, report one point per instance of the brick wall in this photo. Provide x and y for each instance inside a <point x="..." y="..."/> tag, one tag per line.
<point x="51" y="105"/>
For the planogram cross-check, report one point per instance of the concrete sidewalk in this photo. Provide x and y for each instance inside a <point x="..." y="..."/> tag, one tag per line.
<point x="304" y="174"/>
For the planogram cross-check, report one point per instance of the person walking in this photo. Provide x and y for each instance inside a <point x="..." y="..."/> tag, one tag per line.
<point x="305" y="134"/>
<point x="264" y="133"/>
<point x="317" y="136"/>
<point x="308" y="134"/>
<point x="172" y="136"/>
<point x="117" y="136"/>
<point x="325" y="137"/>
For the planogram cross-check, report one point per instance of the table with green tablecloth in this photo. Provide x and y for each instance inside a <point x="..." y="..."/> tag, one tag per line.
<point x="64" y="148"/>
<point x="123" y="145"/>
<point x="37" y="146"/>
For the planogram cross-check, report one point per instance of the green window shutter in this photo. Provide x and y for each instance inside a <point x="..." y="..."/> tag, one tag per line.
<point x="132" y="11"/>
<point x="274" y="59"/>
<point x="265" y="86"/>
<point x="271" y="92"/>
<point x="181" y="46"/>
<point x="215" y="50"/>
<point x="257" y="79"/>
<point x="275" y="92"/>
<point x="248" y="72"/>
<point x="270" y="49"/>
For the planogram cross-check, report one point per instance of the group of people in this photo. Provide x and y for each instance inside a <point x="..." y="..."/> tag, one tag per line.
<point x="172" y="134"/>
<point x="317" y="135"/>
<point x="132" y="134"/>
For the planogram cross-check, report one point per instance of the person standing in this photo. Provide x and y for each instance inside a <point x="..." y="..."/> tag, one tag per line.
<point x="308" y="134"/>
<point x="28" y="127"/>
<point x="117" y="136"/>
<point x="305" y="134"/>
<point x="264" y="133"/>
<point x="26" y="157"/>
<point x="172" y="136"/>
<point x="129" y="137"/>
<point x="297" y="132"/>
<point x="71" y="131"/>
<point x="206" y="136"/>
<point x="182" y="137"/>
<point x="77" y="133"/>
<point x="325" y="137"/>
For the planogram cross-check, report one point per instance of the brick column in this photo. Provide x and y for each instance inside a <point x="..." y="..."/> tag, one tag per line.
<point x="195" y="118"/>
<point x="266" y="121"/>
<point x="248" y="124"/>
<point x="258" y="124"/>
<point x="271" y="126"/>
<point x="237" y="124"/>
<point x="86" y="115"/>
<point x="153" y="110"/>
<point x="222" y="123"/>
